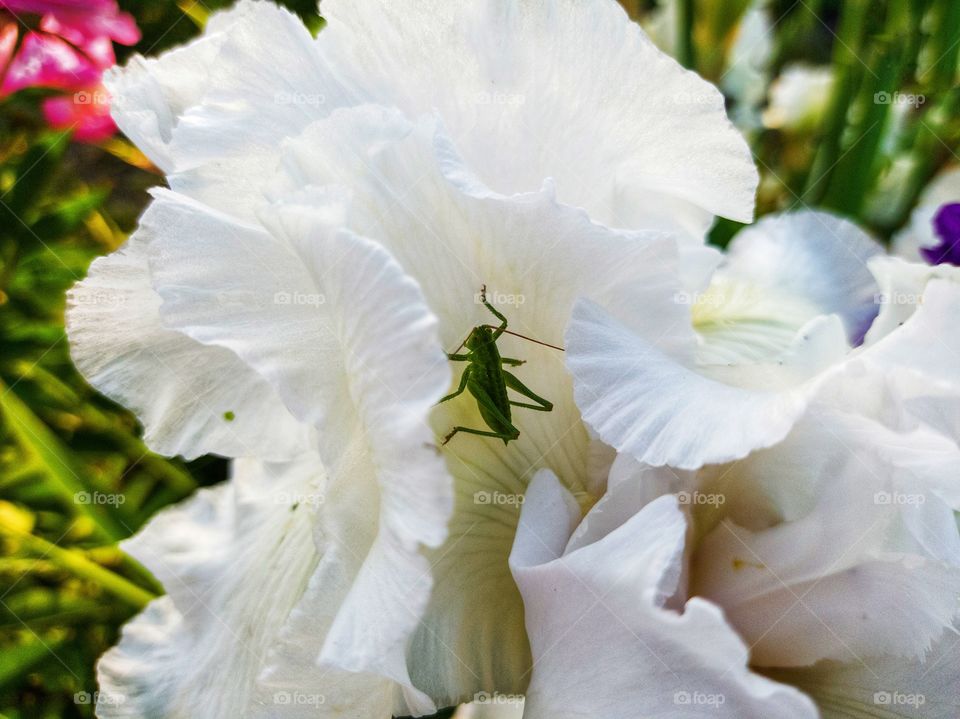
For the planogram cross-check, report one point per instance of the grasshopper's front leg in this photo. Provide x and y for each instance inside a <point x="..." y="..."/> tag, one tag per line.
<point x="464" y="378"/>
<point x="503" y="320"/>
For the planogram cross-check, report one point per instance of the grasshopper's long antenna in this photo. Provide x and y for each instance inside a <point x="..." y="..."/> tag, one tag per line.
<point x="460" y="346"/>
<point x="529" y="339"/>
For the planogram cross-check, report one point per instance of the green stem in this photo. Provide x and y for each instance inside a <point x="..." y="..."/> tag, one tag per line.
<point x="98" y="421"/>
<point x="847" y="73"/>
<point x="800" y="22"/>
<point x="50" y="608"/>
<point x="944" y="47"/>
<point x="686" y="53"/>
<point x="10" y="259"/>
<point x="931" y="151"/>
<point x="26" y="655"/>
<point x="36" y="438"/>
<point x="77" y="564"/>
<point x="856" y="171"/>
<point x="178" y="480"/>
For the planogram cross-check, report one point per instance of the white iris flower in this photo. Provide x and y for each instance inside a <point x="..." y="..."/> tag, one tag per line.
<point x="334" y="207"/>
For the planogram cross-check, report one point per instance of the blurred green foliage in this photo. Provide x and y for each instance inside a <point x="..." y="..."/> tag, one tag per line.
<point x="64" y="450"/>
<point x="75" y="477"/>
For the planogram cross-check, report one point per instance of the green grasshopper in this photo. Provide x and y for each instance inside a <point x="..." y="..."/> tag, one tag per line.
<point x="488" y="381"/>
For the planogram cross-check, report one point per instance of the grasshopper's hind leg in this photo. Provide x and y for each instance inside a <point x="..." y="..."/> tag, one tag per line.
<point x="482" y="433"/>
<point x="483" y="399"/>
<point x="542" y="405"/>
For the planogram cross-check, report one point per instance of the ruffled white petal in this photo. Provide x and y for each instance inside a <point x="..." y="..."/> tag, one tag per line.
<point x="411" y="192"/>
<point x="928" y="345"/>
<point x="332" y="321"/>
<point x="226" y="146"/>
<point x="900" y="417"/>
<point x="822" y="586"/>
<point x="483" y="65"/>
<point x="149" y="95"/>
<point x="631" y="487"/>
<point x="218" y="626"/>
<point x="902" y="287"/>
<point x="644" y="402"/>
<point x="192" y="399"/>
<point x="213" y="113"/>
<point x="215" y="625"/>
<point x="886" y="688"/>
<point x="603" y="643"/>
<point x="769" y="346"/>
<point x="674" y="162"/>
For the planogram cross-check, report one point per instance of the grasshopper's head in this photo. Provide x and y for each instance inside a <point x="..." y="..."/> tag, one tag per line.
<point x="479" y="337"/>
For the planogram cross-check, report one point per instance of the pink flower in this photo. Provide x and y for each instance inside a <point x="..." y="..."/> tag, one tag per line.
<point x="87" y="112"/>
<point x="64" y="45"/>
<point x="8" y="40"/>
<point x="80" y="20"/>
<point x="45" y="60"/>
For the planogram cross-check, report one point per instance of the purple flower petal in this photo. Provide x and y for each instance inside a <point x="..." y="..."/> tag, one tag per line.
<point x="946" y="225"/>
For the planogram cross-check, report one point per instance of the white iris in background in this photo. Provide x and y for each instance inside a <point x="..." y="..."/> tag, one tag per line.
<point x="786" y="327"/>
<point x="817" y="400"/>
<point x="798" y="98"/>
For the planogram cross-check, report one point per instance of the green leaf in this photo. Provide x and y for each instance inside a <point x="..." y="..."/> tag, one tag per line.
<point x="67" y="216"/>
<point x="35" y="172"/>
<point x="43" y="446"/>
<point x="15" y="663"/>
